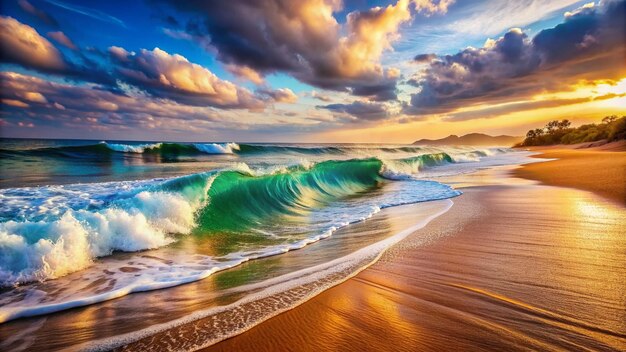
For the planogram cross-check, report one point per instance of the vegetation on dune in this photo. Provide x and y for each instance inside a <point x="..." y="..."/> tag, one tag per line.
<point x="612" y="128"/>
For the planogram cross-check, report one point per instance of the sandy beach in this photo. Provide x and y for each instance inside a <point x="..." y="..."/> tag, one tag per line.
<point x="517" y="266"/>
<point x="600" y="169"/>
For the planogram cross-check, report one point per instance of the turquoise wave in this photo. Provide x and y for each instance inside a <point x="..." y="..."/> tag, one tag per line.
<point x="38" y="222"/>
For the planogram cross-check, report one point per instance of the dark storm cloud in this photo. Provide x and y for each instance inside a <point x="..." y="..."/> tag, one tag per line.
<point x="589" y="44"/>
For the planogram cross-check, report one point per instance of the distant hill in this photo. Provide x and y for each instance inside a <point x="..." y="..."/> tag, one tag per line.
<point x="473" y="139"/>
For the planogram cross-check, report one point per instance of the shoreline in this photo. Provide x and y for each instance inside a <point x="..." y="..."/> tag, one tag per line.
<point x="597" y="168"/>
<point x="211" y="314"/>
<point x="485" y="297"/>
<point x="282" y="298"/>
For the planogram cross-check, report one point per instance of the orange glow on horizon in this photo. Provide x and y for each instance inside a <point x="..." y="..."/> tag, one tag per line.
<point x="610" y="99"/>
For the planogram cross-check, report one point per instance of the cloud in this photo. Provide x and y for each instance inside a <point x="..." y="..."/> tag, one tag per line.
<point x="503" y="109"/>
<point x="21" y="44"/>
<point x="245" y="72"/>
<point x="174" y="77"/>
<point x="424" y="58"/>
<point x="319" y="96"/>
<point x="42" y="15"/>
<point x="62" y="39"/>
<point x="183" y="35"/>
<point x="589" y="44"/>
<point x="494" y="17"/>
<point x="304" y="39"/>
<point x="156" y="72"/>
<point x="88" y="106"/>
<point x="282" y="95"/>
<point x="499" y="110"/>
<point x="430" y="7"/>
<point x="15" y="103"/>
<point x="120" y="54"/>
<point x="585" y="9"/>
<point x="97" y="112"/>
<point x="89" y="12"/>
<point x="361" y="110"/>
<point x="34" y="97"/>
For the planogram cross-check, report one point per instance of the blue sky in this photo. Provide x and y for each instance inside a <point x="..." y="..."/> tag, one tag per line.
<point x="306" y="71"/>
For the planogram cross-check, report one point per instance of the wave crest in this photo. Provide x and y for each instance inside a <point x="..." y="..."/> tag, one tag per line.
<point x="150" y="214"/>
<point x="132" y="148"/>
<point x="217" y="148"/>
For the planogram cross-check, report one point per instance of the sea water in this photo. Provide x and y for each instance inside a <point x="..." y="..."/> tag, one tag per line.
<point x="84" y="222"/>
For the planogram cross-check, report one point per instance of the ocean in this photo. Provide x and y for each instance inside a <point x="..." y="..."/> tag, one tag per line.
<point x="142" y="237"/>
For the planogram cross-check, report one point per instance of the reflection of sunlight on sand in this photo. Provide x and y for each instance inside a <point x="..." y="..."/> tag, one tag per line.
<point x="598" y="241"/>
<point x="393" y="320"/>
<point x="592" y="210"/>
<point x="394" y="313"/>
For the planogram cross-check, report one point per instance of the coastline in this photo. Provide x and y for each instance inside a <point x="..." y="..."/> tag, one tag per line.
<point x="597" y="168"/>
<point x="517" y="266"/>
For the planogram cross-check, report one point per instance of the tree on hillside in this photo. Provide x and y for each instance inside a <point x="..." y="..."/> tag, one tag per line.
<point x="609" y="119"/>
<point x="560" y="132"/>
<point x="564" y="124"/>
<point x="551" y="126"/>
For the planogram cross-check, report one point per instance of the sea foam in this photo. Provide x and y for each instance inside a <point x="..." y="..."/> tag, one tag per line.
<point x="132" y="148"/>
<point x="44" y="249"/>
<point x="217" y="148"/>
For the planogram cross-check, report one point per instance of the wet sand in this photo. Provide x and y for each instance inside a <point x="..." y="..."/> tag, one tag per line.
<point x="594" y="169"/>
<point x="516" y="266"/>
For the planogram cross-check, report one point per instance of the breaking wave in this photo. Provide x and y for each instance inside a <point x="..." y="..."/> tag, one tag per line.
<point x="48" y="232"/>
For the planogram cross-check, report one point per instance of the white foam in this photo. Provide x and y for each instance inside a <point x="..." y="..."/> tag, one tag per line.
<point x="394" y="170"/>
<point x="132" y="148"/>
<point x="37" y="250"/>
<point x="217" y="148"/>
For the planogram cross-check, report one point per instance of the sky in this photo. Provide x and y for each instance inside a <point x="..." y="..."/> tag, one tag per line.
<point x="306" y="71"/>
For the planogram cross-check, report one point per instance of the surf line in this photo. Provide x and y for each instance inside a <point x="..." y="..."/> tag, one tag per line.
<point x="289" y="281"/>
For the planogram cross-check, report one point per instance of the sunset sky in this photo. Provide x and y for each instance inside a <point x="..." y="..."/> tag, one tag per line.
<point x="307" y="70"/>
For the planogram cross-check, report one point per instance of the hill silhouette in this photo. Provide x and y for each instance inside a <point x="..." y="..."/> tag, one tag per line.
<point x="478" y="139"/>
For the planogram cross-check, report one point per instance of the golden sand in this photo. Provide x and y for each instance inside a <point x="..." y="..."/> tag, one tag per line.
<point x="594" y="169"/>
